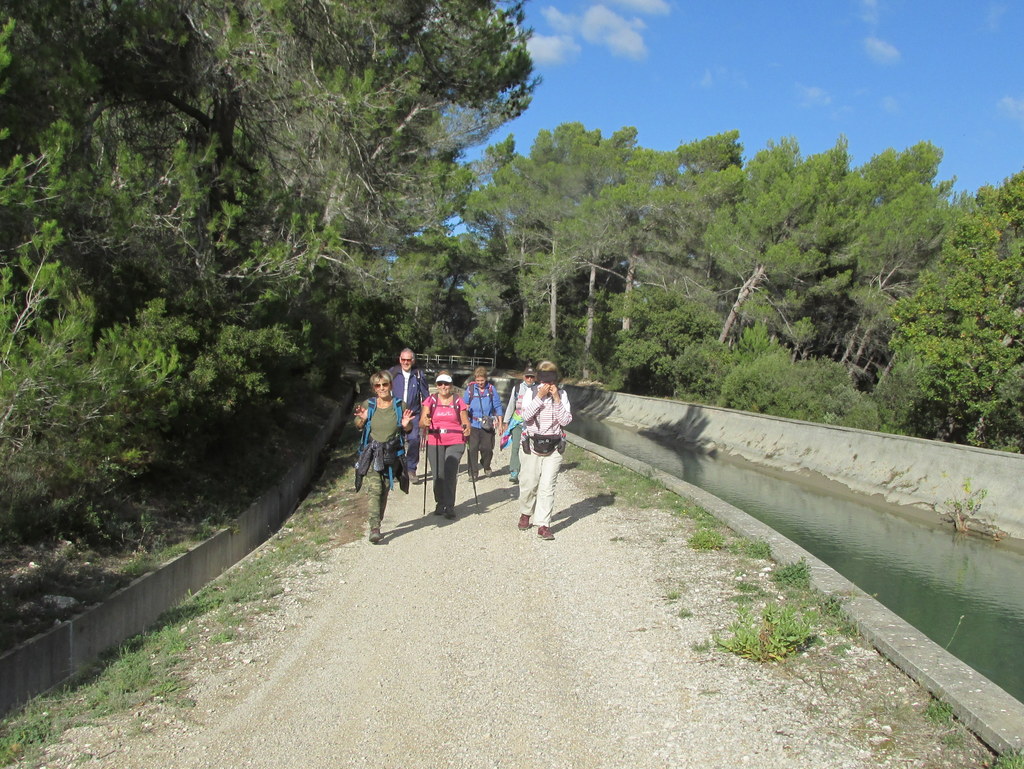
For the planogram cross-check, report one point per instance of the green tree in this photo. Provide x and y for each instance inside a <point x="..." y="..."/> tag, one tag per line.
<point x="772" y="240"/>
<point x="903" y="215"/>
<point x="201" y="200"/>
<point x="665" y="326"/>
<point x="965" y="324"/>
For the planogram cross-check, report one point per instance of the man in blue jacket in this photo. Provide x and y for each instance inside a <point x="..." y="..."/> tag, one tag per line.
<point x="410" y="386"/>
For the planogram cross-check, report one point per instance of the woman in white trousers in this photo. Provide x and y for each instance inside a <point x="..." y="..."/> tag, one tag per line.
<point x="545" y="412"/>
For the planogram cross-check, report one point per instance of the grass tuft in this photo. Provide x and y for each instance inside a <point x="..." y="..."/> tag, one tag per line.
<point x="706" y="539"/>
<point x="779" y="632"/>
<point x="794" y="575"/>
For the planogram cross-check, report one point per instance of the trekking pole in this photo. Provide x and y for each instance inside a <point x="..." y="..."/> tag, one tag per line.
<point x="424" y="459"/>
<point x="472" y="479"/>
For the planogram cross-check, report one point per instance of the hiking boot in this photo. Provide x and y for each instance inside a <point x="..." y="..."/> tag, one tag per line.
<point x="524" y="522"/>
<point x="450" y="513"/>
<point x="513" y="478"/>
<point x="374" y="536"/>
<point x="545" y="533"/>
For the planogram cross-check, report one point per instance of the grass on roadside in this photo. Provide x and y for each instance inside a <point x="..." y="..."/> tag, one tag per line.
<point x="153" y="666"/>
<point x="771" y="624"/>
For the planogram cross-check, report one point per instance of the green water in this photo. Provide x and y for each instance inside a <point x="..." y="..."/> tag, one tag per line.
<point x="965" y="593"/>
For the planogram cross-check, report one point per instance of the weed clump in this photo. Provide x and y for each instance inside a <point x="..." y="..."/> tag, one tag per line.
<point x="779" y="632"/>
<point x="706" y="539"/>
<point x="794" y="575"/>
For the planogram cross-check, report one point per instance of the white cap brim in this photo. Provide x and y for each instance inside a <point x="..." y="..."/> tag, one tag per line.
<point x="443" y="378"/>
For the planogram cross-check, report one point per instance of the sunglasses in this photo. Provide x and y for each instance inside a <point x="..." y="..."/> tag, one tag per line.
<point x="405" y="360"/>
<point x="383" y="384"/>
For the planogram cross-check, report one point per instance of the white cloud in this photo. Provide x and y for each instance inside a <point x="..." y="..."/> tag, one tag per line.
<point x="644" y="6"/>
<point x="598" y="25"/>
<point x="891" y="105"/>
<point x="561" y="22"/>
<point x="1012" y="108"/>
<point x="881" y="51"/>
<point x="813" y="96"/>
<point x="552" y="49"/>
<point x="622" y="36"/>
<point x="869" y="11"/>
<point x="722" y="76"/>
<point x="994" y="17"/>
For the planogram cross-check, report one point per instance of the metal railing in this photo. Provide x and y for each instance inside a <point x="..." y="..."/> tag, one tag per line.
<point x="453" y="362"/>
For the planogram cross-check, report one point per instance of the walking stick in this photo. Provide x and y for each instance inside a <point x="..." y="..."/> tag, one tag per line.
<point x="425" y="452"/>
<point x="473" y="481"/>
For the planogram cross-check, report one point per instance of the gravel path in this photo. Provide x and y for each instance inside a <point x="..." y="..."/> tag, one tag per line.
<point x="469" y="644"/>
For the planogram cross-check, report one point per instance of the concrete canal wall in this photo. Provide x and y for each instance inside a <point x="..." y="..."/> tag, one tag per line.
<point x="984" y="707"/>
<point x="51" y="658"/>
<point x="904" y="471"/>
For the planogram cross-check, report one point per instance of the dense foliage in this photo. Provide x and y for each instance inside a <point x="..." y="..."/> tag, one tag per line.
<point x="199" y="206"/>
<point x="205" y="207"/>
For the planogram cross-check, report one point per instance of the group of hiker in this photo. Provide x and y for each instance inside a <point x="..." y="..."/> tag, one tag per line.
<point x="401" y="410"/>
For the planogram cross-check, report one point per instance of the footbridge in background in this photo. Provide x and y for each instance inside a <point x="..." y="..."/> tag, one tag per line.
<point x="457" y="364"/>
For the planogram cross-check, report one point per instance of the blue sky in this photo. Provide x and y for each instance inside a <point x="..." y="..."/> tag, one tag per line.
<point x="882" y="73"/>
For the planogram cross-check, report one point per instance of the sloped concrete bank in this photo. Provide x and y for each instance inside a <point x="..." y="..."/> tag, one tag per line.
<point x="984" y="707"/>
<point x="51" y="658"/>
<point x="905" y="471"/>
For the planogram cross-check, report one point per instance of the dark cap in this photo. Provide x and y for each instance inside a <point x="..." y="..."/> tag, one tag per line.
<point x="529" y="371"/>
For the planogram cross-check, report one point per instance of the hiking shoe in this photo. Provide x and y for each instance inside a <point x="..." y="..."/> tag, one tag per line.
<point x="545" y="533"/>
<point x="513" y="478"/>
<point x="374" y="536"/>
<point x="524" y="522"/>
<point x="439" y="511"/>
<point x="450" y="513"/>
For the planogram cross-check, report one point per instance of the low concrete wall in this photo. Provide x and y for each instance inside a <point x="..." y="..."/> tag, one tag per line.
<point x="905" y="471"/>
<point x="984" y="707"/>
<point x="51" y="658"/>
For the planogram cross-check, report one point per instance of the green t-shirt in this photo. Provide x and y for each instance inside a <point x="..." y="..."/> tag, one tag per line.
<point x="383" y="424"/>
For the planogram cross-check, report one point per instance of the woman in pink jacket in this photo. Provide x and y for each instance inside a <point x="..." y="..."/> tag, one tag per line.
<point x="445" y="422"/>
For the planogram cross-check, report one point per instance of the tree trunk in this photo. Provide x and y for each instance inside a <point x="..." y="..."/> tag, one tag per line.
<point x="849" y="347"/>
<point x="627" y="320"/>
<point x="859" y="355"/>
<point x="588" y="336"/>
<point x="749" y="287"/>
<point x="553" y="309"/>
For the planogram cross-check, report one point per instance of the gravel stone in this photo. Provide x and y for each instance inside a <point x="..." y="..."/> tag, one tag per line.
<point x="466" y="644"/>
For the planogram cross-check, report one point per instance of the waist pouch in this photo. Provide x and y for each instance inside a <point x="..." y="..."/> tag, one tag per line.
<point x="543" y="445"/>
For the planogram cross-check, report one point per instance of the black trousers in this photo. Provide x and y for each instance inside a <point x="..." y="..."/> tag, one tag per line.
<point x="481" y="442"/>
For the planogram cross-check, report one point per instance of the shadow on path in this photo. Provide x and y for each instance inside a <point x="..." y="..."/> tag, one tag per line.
<point x="579" y="510"/>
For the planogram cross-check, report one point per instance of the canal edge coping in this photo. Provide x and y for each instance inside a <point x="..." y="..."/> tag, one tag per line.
<point x="981" y="705"/>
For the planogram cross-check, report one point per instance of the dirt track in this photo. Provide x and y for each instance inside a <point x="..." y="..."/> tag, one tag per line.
<point x="470" y="644"/>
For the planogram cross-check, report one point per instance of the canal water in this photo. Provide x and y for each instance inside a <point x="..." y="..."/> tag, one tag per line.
<point x="963" y="592"/>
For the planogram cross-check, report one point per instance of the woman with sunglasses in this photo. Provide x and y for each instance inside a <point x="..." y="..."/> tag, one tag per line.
<point x="445" y="421"/>
<point x="384" y="422"/>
